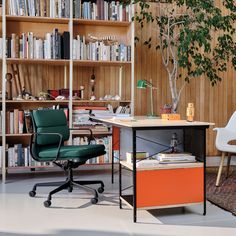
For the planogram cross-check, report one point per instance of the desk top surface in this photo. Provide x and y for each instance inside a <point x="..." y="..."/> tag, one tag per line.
<point x="142" y="121"/>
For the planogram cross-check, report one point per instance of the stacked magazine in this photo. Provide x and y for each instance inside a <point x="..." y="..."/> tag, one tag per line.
<point x="168" y="157"/>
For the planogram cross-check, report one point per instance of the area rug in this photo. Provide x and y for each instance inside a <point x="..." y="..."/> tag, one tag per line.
<point x="223" y="196"/>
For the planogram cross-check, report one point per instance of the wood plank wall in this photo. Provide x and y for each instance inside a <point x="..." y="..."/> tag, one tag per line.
<point x="213" y="104"/>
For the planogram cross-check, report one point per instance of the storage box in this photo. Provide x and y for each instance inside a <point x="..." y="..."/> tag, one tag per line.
<point x="170" y="187"/>
<point x="171" y="116"/>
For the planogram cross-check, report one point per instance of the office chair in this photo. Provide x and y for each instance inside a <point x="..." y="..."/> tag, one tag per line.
<point x="223" y="138"/>
<point x="47" y="145"/>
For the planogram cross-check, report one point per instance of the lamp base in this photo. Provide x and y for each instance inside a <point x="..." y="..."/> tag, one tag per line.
<point x="152" y="116"/>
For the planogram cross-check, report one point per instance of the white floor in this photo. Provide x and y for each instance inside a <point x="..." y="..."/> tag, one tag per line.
<point x="72" y="214"/>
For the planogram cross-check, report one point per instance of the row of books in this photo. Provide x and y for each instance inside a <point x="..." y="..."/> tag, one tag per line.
<point x="54" y="46"/>
<point x="106" y="141"/>
<point x="20" y="156"/>
<point x="97" y="51"/>
<point x="43" y="8"/>
<point x="92" y="10"/>
<point x="15" y="122"/>
<point x="19" y="121"/>
<point x="57" y="46"/>
<point x="102" y="10"/>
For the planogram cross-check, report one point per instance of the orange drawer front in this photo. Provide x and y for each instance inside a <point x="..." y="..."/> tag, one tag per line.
<point x="169" y="187"/>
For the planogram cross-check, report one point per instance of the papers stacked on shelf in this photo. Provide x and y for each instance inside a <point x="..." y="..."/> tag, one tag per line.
<point x="175" y="157"/>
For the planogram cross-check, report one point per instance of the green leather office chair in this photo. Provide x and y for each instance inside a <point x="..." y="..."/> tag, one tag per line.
<point x="47" y="144"/>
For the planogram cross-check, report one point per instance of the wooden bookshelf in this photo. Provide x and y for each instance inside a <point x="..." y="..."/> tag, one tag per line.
<point x="40" y="75"/>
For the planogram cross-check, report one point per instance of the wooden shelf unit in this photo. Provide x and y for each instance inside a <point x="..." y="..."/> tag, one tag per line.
<point x="42" y="74"/>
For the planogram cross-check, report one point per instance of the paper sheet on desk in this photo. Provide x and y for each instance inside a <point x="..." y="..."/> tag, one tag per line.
<point x="147" y="163"/>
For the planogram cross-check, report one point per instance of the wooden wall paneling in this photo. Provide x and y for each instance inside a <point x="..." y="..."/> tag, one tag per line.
<point x="101" y="83"/>
<point x="137" y="70"/>
<point x="127" y="77"/>
<point x="214" y="104"/>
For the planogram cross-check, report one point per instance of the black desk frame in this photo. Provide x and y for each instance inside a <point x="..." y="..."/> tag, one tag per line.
<point x="194" y="141"/>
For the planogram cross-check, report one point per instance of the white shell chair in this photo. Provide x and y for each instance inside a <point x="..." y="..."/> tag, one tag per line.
<point x="223" y="137"/>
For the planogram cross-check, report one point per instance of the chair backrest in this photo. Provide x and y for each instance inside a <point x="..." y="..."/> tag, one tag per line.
<point x="226" y="134"/>
<point x="232" y="123"/>
<point x="50" y="121"/>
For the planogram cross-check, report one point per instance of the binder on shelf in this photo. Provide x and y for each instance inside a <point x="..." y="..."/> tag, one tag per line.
<point x="65" y="45"/>
<point x="139" y="156"/>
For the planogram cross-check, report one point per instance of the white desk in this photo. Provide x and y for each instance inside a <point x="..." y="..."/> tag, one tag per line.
<point x="194" y="141"/>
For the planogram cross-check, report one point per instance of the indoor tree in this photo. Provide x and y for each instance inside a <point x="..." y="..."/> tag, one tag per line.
<point x="185" y="31"/>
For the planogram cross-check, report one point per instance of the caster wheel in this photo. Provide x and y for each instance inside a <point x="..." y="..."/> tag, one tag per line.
<point x="94" y="200"/>
<point x="47" y="203"/>
<point x="32" y="193"/>
<point x="70" y="189"/>
<point x="100" y="189"/>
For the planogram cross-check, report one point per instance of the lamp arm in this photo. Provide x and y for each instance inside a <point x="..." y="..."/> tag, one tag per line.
<point x="150" y="85"/>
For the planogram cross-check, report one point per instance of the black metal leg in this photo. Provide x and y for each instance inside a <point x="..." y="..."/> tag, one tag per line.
<point x="112" y="165"/>
<point x="88" y="182"/>
<point x="134" y="178"/>
<point x="60" y="188"/>
<point x="48" y="184"/>
<point x="86" y="188"/>
<point x="120" y="186"/>
<point x="204" y="169"/>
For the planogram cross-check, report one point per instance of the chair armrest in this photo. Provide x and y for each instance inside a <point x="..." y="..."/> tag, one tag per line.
<point x="91" y="137"/>
<point x="32" y="140"/>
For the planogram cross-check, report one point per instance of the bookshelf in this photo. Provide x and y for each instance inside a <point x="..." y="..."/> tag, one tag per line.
<point x="113" y="77"/>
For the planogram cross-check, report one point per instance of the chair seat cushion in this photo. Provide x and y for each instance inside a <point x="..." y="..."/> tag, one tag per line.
<point x="82" y="152"/>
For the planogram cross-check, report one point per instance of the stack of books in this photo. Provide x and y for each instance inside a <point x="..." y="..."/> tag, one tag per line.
<point x="175" y="157"/>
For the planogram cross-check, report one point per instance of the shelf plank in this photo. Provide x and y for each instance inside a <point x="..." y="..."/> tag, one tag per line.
<point x="100" y="63"/>
<point x="128" y="200"/>
<point x="164" y="166"/>
<point x="18" y="135"/>
<point x="36" y="101"/>
<point x="58" y="62"/>
<point x="63" y="101"/>
<point x="52" y="167"/>
<point x="55" y="62"/>
<point x="96" y="133"/>
<point x="74" y="133"/>
<point x="101" y="101"/>
<point x="101" y="22"/>
<point x="37" y="19"/>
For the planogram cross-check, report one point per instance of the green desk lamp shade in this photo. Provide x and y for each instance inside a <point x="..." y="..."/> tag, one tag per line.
<point x="143" y="84"/>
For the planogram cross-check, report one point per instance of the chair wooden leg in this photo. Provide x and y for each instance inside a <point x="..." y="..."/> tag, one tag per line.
<point x="228" y="165"/>
<point x="220" y="169"/>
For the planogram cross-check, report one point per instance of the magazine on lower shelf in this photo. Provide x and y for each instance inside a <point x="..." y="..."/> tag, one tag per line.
<point x="168" y="157"/>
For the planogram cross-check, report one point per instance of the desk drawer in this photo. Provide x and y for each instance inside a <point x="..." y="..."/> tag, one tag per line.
<point x="169" y="187"/>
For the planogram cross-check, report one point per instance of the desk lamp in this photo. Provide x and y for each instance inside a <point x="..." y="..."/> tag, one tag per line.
<point x="143" y="84"/>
